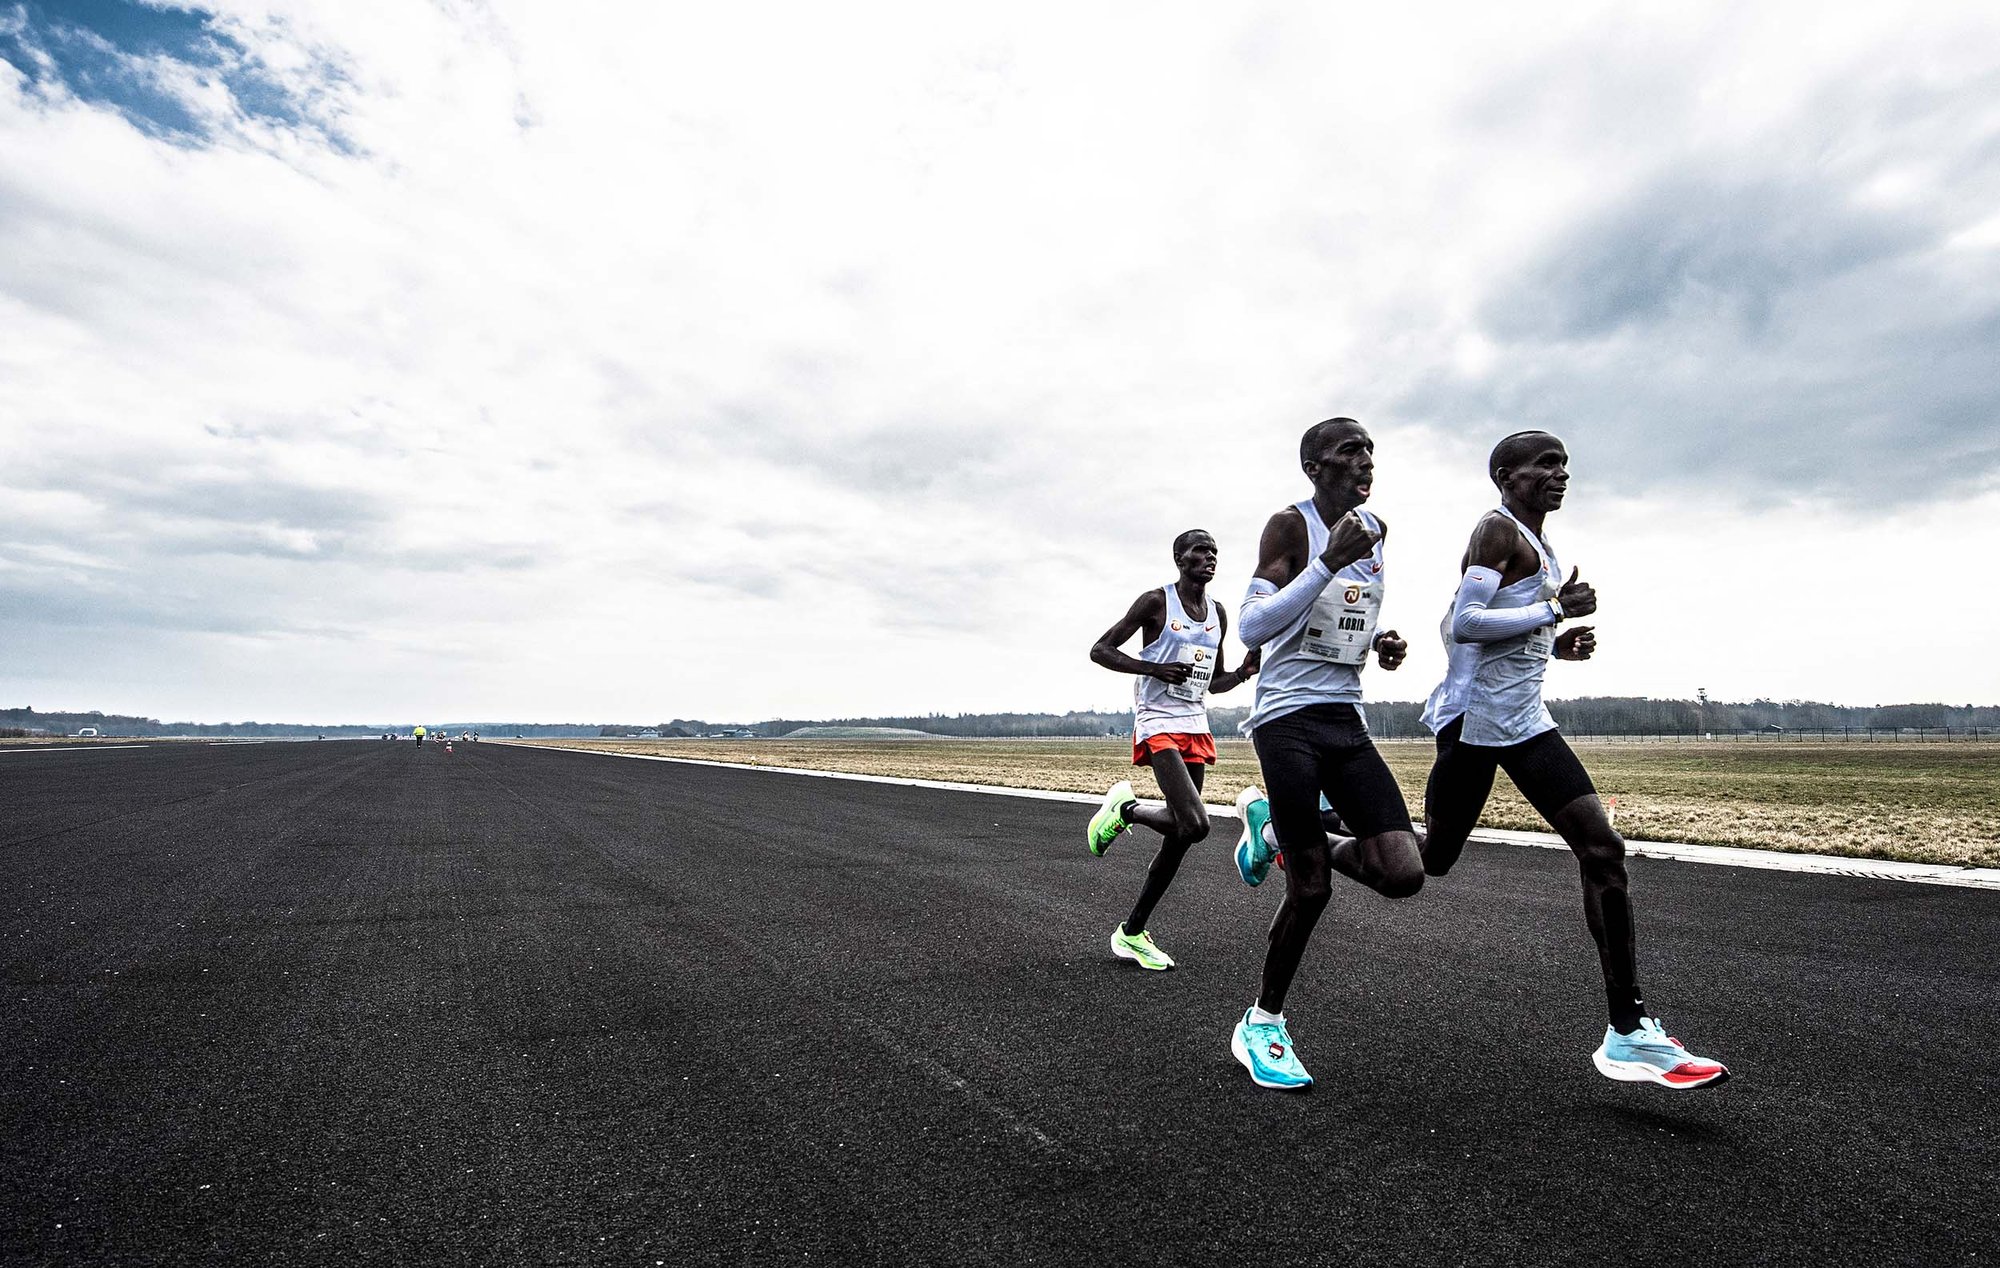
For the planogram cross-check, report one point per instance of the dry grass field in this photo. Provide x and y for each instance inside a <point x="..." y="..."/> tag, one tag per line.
<point x="1921" y="802"/>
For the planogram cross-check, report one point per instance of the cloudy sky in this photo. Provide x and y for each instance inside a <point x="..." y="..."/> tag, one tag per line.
<point x="374" y="360"/>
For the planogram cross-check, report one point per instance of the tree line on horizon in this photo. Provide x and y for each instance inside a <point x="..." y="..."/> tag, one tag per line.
<point x="27" y="721"/>
<point x="1588" y="715"/>
<point x="1396" y="719"/>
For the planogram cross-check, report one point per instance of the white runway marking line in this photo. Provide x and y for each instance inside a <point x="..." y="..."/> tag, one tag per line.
<point x="77" y="748"/>
<point x="1726" y="855"/>
<point x="926" y="1065"/>
<point x="943" y="1076"/>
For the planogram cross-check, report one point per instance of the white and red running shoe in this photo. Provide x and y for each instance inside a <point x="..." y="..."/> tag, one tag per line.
<point x="1650" y="1055"/>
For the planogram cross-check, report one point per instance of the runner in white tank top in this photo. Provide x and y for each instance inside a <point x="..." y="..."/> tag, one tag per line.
<point x="1160" y="707"/>
<point x="1318" y="657"/>
<point x="1488" y="715"/>
<point x="1313" y="607"/>
<point x="1179" y="662"/>
<point x="1496" y="684"/>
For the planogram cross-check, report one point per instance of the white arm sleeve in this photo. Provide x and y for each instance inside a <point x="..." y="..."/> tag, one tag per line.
<point x="1268" y="611"/>
<point x="1473" y="622"/>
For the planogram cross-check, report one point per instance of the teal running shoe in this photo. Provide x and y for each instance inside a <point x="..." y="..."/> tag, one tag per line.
<point x="1109" y="820"/>
<point x="1650" y="1055"/>
<point x="1139" y="947"/>
<point x="1265" y="1049"/>
<point x="1253" y="855"/>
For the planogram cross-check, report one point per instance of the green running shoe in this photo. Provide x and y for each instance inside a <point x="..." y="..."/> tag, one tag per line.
<point x="1140" y="947"/>
<point x="1109" y="820"/>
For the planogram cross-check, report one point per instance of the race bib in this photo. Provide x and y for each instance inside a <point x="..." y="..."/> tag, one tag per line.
<point x="1341" y="626"/>
<point x="1201" y="663"/>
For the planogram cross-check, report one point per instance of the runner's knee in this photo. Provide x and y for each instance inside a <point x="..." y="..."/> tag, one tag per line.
<point x="1308" y="877"/>
<point x="1601" y="855"/>
<point x="1597" y="845"/>
<point x="1191" y="825"/>
<point x="1399" y="868"/>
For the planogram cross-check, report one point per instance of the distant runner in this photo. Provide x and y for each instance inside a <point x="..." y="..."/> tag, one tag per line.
<point x="1180" y="660"/>
<point x="419" y="733"/>
<point x="1488" y="714"/>
<point x="1313" y="606"/>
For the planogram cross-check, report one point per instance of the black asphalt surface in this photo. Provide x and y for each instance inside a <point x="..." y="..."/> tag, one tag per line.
<point x="356" y="1002"/>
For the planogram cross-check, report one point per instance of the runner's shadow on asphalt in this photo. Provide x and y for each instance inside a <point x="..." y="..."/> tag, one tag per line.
<point x="1696" y="1123"/>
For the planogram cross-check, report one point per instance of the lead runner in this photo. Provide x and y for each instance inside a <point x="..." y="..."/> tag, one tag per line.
<point x="1488" y="714"/>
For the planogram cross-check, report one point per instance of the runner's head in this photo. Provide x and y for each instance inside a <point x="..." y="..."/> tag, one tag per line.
<point x="1338" y="456"/>
<point x="1531" y="470"/>
<point x="1195" y="555"/>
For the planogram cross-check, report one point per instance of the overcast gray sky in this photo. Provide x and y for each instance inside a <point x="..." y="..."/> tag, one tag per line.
<point x="372" y="361"/>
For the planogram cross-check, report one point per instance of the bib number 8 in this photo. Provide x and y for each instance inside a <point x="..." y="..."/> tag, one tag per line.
<point x="1341" y="627"/>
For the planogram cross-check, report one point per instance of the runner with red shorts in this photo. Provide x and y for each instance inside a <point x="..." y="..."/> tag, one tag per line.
<point x="1179" y="662"/>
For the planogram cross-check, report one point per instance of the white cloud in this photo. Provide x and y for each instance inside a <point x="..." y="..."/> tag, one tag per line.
<point x="580" y="362"/>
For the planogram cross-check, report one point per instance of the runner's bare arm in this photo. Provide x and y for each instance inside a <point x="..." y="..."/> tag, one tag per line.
<point x="1281" y="551"/>
<point x="1148" y="614"/>
<point x="1491" y="559"/>
<point x="1287" y="581"/>
<point x="1497" y="544"/>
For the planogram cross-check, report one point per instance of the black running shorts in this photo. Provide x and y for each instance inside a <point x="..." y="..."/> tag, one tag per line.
<point x="1542" y="767"/>
<point x="1325" y="748"/>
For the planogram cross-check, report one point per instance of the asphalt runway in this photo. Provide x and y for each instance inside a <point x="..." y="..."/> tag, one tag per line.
<point x="356" y="1002"/>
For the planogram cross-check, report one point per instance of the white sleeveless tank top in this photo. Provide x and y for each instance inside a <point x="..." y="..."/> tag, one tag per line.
<point x="1179" y="708"/>
<point x="1497" y="686"/>
<point x="1292" y="677"/>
